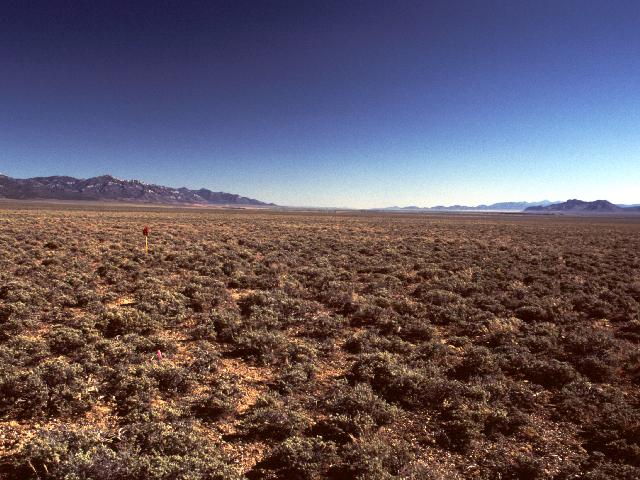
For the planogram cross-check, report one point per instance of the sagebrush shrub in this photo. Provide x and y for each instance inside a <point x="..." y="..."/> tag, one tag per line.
<point x="272" y="418"/>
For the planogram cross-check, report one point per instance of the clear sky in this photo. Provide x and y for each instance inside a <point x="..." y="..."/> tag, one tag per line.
<point x="359" y="104"/>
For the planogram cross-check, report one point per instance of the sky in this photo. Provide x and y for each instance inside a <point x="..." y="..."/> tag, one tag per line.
<point x="328" y="103"/>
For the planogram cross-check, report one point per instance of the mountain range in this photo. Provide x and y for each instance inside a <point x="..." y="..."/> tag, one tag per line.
<point x="494" y="207"/>
<point x="574" y="205"/>
<point x="577" y="206"/>
<point x="108" y="188"/>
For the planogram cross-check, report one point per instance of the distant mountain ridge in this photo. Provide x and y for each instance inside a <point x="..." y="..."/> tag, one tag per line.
<point x="494" y="207"/>
<point x="575" y="205"/>
<point x="598" y="206"/>
<point x="108" y="188"/>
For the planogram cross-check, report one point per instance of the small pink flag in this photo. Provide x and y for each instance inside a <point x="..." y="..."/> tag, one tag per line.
<point x="159" y="355"/>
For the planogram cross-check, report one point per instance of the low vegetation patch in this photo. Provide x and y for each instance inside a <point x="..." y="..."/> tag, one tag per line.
<point x="265" y="345"/>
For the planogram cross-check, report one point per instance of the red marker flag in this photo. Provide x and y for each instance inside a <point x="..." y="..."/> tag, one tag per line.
<point x="145" y="232"/>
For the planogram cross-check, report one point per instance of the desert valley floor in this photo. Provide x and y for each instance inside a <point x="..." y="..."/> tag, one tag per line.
<point x="300" y="345"/>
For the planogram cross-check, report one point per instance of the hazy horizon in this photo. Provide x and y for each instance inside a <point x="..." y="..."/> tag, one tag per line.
<point x="329" y="104"/>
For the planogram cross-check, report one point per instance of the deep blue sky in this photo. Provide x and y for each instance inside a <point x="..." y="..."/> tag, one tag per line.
<point x="360" y="104"/>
